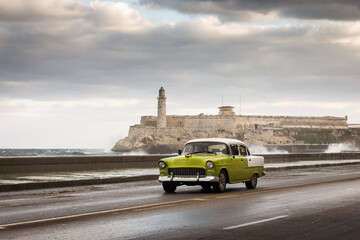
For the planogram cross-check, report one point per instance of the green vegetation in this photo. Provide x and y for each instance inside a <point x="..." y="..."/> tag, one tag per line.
<point x="324" y="136"/>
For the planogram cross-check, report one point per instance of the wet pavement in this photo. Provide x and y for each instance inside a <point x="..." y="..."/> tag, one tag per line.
<point x="23" y="178"/>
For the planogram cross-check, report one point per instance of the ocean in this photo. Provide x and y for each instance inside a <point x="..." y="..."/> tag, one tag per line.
<point x="11" y="152"/>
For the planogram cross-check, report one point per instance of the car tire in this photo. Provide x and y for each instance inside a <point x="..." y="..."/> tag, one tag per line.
<point x="169" y="187"/>
<point x="221" y="185"/>
<point x="252" y="183"/>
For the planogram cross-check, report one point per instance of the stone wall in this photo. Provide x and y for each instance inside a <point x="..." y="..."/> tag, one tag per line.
<point x="232" y="123"/>
<point x="175" y="121"/>
<point x="149" y="121"/>
<point x="210" y="123"/>
<point x="291" y="121"/>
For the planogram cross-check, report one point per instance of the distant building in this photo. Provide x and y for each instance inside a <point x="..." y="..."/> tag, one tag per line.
<point x="166" y="133"/>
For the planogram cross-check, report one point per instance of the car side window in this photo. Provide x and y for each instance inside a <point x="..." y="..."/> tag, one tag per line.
<point x="234" y="149"/>
<point x="243" y="151"/>
<point x="225" y="150"/>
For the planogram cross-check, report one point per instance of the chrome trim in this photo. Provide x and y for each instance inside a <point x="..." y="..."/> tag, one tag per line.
<point x="187" y="171"/>
<point x="188" y="179"/>
<point x="171" y="176"/>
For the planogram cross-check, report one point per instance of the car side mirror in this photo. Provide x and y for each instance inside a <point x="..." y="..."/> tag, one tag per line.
<point x="179" y="152"/>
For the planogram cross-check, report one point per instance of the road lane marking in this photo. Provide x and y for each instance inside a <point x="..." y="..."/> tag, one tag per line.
<point x="226" y="196"/>
<point x="143" y="209"/>
<point x="256" y="222"/>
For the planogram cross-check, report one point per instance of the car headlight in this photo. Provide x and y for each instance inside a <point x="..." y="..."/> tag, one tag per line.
<point x="162" y="164"/>
<point x="210" y="164"/>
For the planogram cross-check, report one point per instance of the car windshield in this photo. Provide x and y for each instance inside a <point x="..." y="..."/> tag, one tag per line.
<point x="206" y="147"/>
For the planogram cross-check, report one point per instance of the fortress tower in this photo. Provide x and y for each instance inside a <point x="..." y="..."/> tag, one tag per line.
<point x="226" y="111"/>
<point x="161" y="117"/>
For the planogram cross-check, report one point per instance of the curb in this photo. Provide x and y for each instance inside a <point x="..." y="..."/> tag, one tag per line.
<point x="72" y="183"/>
<point x="85" y="182"/>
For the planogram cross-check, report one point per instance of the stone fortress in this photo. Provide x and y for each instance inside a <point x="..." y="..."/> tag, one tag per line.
<point x="167" y="133"/>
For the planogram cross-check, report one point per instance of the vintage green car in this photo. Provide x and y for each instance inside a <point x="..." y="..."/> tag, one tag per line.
<point x="211" y="162"/>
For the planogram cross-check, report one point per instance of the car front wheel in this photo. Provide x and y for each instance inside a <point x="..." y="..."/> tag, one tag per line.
<point x="221" y="185"/>
<point x="252" y="183"/>
<point x="169" y="187"/>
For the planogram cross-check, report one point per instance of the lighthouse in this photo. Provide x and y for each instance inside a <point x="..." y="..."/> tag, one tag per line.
<point x="161" y="117"/>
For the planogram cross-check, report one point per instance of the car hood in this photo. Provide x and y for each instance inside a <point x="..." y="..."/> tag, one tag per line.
<point x="195" y="160"/>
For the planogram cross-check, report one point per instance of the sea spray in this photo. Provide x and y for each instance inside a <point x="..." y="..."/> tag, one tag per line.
<point x="341" y="147"/>
<point x="139" y="152"/>
<point x="259" y="149"/>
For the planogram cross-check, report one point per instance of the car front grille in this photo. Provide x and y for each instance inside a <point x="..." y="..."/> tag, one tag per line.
<point x="187" y="171"/>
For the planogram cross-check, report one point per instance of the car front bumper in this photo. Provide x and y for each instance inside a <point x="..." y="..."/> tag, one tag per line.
<point x="188" y="179"/>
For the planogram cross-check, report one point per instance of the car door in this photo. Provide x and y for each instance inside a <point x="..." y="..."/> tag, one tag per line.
<point x="244" y="155"/>
<point x="235" y="163"/>
<point x="238" y="164"/>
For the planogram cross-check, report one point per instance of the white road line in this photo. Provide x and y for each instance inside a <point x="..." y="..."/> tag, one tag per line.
<point x="256" y="222"/>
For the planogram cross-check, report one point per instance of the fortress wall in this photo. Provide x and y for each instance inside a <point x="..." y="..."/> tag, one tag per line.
<point x="210" y="123"/>
<point x="175" y="121"/>
<point x="169" y="131"/>
<point x="173" y="136"/>
<point x="322" y="122"/>
<point x="178" y="136"/>
<point x="289" y="121"/>
<point x="139" y="130"/>
<point x="250" y="121"/>
<point x="246" y="122"/>
<point x="150" y="121"/>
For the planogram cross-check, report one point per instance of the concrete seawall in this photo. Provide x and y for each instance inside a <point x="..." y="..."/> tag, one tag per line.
<point x="86" y="163"/>
<point x="78" y="163"/>
<point x="294" y="157"/>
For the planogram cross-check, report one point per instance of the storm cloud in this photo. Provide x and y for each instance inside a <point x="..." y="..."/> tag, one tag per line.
<point x="250" y="10"/>
<point x="97" y="67"/>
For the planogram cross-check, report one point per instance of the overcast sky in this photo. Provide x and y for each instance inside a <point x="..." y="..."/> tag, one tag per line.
<point x="78" y="73"/>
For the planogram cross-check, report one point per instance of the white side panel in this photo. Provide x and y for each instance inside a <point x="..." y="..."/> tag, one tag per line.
<point x="255" y="161"/>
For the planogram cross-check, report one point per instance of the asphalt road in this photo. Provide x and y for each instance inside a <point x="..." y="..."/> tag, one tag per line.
<point x="300" y="204"/>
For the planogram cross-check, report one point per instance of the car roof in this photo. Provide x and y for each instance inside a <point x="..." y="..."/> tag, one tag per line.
<point x="221" y="140"/>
